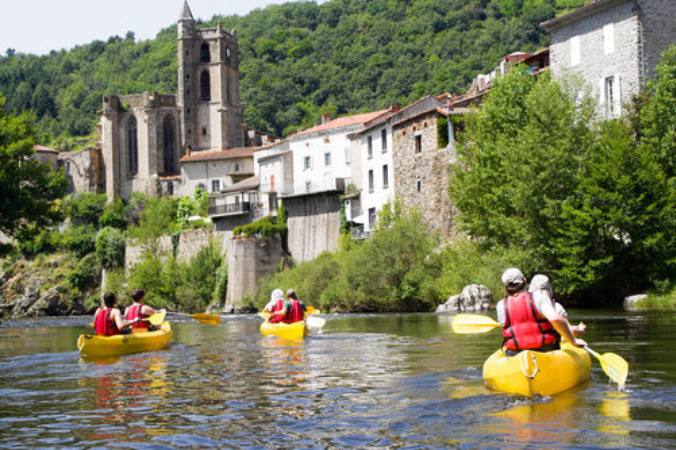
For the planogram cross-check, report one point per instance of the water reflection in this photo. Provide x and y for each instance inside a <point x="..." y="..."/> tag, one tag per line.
<point x="369" y="381"/>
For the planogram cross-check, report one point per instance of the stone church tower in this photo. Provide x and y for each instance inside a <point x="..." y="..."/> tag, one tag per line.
<point x="144" y="135"/>
<point x="208" y="86"/>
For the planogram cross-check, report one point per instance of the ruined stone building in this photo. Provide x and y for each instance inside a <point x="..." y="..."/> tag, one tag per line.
<point x="613" y="46"/>
<point x="145" y="135"/>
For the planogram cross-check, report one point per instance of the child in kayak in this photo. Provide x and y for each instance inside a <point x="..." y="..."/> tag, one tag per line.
<point x="108" y="319"/>
<point x="541" y="283"/>
<point x="138" y="311"/>
<point x="292" y="311"/>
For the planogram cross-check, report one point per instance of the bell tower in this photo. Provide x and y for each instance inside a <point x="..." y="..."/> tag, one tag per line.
<point x="208" y="86"/>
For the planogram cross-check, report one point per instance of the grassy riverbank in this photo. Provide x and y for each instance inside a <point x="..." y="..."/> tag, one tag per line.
<point x="658" y="301"/>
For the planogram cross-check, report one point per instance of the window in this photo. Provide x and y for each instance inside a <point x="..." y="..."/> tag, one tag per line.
<point x="608" y="39"/>
<point x="236" y="167"/>
<point x="201" y="187"/>
<point x="418" y="144"/>
<point x="308" y="186"/>
<point x="327" y="159"/>
<point x="67" y="166"/>
<point x="205" y="54"/>
<point x="574" y="51"/>
<point x="419" y="186"/>
<point x="371" y="181"/>
<point x="348" y="156"/>
<point x="386" y="176"/>
<point x="132" y="146"/>
<point x="205" y="86"/>
<point x="215" y="185"/>
<point x="609" y="96"/>
<point x="383" y="139"/>
<point x="372" y="217"/>
<point x="307" y="163"/>
<point x="169" y="151"/>
<point x="369" y="147"/>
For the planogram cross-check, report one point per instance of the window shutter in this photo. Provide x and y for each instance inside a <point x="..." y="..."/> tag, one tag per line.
<point x="618" y="96"/>
<point x="602" y="95"/>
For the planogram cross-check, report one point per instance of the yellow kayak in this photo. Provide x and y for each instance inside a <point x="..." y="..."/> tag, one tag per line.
<point x="93" y="346"/>
<point x="284" y="330"/>
<point x="535" y="373"/>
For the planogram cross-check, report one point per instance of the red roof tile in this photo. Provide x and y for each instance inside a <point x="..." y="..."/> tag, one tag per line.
<point x="344" y="122"/>
<point x="213" y="155"/>
<point x="42" y="148"/>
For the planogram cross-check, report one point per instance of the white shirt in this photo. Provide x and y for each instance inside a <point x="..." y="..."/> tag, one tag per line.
<point x="543" y="304"/>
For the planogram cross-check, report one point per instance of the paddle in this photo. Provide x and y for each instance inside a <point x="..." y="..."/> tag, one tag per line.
<point x="613" y="365"/>
<point x="157" y="318"/>
<point x="472" y="324"/>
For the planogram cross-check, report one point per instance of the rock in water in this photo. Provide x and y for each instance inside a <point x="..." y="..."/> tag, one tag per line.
<point x="474" y="297"/>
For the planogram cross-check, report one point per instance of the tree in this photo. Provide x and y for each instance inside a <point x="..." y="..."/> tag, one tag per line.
<point x="28" y="190"/>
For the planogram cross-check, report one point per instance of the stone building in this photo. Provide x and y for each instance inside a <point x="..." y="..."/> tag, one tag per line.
<point x="613" y="46"/>
<point x="145" y="135"/>
<point x="83" y="170"/>
<point x="423" y="151"/>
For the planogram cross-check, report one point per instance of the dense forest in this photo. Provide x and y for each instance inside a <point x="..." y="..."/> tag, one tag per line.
<point x="297" y="60"/>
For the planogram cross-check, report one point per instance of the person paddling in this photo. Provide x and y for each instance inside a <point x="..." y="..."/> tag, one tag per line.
<point x="529" y="319"/>
<point x="138" y="311"/>
<point x="108" y="319"/>
<point x="293" y="310"/>
<point x="275" y="305"/>
<point x="541" y="283"/>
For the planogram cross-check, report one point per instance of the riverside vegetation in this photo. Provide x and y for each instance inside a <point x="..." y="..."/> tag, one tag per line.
<point x="541" y="184"/>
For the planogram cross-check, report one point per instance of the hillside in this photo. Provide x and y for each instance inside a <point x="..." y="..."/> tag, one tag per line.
<point x="296" y="60"/>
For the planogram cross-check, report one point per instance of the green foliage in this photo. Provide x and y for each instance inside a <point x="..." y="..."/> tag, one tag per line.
<point x="79" y="239"/>
<point x="393" y="271"/>
<point x="158" y="277"/>
<point x="201" y="280"/>
<point x="156" y="218"/>
<point x="114" y="215"/>
<point x="589" y="201"/>
<point x="85" y="274"/>
<point x="297" y="60"/>
<point x="263" y="227"/>
<point x="34" y="240"/>
<point x="110" y="246"/>
<point x="442" y="132"/>
<point x="85" y="208"/>
<point x="29" y="190"/>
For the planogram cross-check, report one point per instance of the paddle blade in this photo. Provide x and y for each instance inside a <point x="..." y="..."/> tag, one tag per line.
<point x="264" y="315"/>
<point x="472" y="324"/>
<point x="157" y="318"/>
<point x="211" y="319"/>
<point x="615" y="367"/>
<point x="312" y="310"/>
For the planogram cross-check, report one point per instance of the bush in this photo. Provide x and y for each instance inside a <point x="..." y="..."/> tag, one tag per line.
<point x="114" y="215"/>
<point x="85" y="208"/>
<point x="79" y="239"/>
<point x="33" y="240"/>
<point x="157" y="218"/>
<point x="198" y="279"/>
<point x="85" y="274"/>
<point x="110" y="247"/>
<point x="158" y="277"/>
<point x="264" y="227"/>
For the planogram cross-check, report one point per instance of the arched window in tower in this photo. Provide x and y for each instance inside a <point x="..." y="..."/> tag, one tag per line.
<point x="205" y="54"/>
<point x="132" y="146"/>
<point x="169" y="150"/>
<point x="205" y="86"/>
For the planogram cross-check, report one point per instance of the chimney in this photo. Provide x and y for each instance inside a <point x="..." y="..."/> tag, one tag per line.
<point x="188" y="151"/>
<point x="395" y="107"/>
<point x="325" y="117"/>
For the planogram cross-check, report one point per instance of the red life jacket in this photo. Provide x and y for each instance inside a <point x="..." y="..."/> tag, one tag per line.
<point x="134" y="312"/>
<point x="295" y="312"/>
<point x="104" y="325"/>
<point x="524" y="328"/>
<point x="278" y="306"/>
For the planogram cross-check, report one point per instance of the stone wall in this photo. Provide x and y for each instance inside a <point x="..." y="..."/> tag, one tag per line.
<point x="83" y="170"/>
<point x="659" y="30"/>
<point x="421" y="179"/>
<point x="248" y="261"/>
<point x="192" y="241"/>
<point x="313" y="223"/>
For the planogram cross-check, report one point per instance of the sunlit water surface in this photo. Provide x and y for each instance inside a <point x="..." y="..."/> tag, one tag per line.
<point x="370" y="381"/>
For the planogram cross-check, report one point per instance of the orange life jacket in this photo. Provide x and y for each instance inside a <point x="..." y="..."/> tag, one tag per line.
<point x="134" y="312"/>
<point x="104" y="325"/>
<point x="295" y="312"/>
<point x="524" y="328"/>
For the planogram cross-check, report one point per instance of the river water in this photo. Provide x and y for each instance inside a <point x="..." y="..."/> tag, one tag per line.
<point x="369" y="381"/>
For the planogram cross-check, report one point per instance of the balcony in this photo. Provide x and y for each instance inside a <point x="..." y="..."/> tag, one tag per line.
<point x="358" y="233"/>
<point x="219" y="209"/>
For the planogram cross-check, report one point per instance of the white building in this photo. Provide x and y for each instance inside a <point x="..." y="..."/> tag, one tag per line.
<point x="324" y="153"/>
<point x="376" y="172"/>
<point x="273" y="164"/>
<point x="215" y="170"/>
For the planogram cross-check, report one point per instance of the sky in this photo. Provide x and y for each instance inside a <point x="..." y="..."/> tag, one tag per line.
<point x="38" y="26"/>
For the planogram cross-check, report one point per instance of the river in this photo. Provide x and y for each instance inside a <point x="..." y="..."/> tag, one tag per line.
<point x="369" y="381"/>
